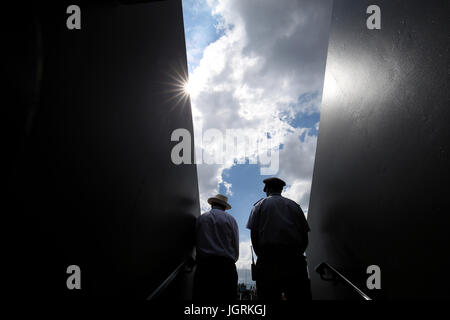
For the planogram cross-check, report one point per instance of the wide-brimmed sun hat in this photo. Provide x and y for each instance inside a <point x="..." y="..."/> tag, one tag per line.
<point x="220" y="199"/>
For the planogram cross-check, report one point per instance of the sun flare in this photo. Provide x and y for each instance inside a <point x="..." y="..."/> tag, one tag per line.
<point x="187" y="87"/>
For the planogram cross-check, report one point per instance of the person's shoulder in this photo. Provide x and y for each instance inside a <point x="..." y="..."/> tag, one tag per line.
<point x="291" y="202"/>
<point x="260" y="201"/>
<point x="257" y="205"/>
<point x="288" y="200"/>
<point x="204" y="215"/>
<point x="231" y="218"/>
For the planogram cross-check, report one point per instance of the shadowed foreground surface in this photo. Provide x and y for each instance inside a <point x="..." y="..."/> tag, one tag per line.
<point x="88" y="131"/>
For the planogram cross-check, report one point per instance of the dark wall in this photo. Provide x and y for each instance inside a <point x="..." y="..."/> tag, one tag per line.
<point x="88" y="116"/>
<point x="380" y="185"/>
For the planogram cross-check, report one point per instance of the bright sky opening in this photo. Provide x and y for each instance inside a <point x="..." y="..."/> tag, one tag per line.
<point x="257" y="65"/>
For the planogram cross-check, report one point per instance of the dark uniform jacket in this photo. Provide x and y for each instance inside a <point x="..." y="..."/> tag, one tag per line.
<point x="278" y="221"/>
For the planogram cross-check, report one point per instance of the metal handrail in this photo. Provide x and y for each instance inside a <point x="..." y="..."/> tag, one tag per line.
<point x="186" y="263"/>
<point x="320" y="269"/>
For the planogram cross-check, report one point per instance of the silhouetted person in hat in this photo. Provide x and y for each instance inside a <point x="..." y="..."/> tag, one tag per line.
<point x="279" y="234"/>
<point x="217" y="243"/>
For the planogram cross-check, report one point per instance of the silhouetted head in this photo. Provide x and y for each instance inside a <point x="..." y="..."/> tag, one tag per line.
<point x="273" y="185"/>
<point x="218" y="206"/>
<point x="220" y="201"/>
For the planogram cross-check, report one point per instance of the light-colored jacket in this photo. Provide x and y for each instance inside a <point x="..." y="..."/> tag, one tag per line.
<point x="217" y="234"/>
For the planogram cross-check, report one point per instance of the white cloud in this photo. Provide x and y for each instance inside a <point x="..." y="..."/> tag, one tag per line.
<point x="297" y="158"/>
<point x="245" y="257"/>
<point x="228" y="188"/>
<point x="250" y="78"/>
<point x="209" y="178"/>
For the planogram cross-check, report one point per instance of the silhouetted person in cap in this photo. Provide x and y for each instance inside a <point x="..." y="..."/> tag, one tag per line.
<point x="217" y="243"/>
<point x="279" y="234"/>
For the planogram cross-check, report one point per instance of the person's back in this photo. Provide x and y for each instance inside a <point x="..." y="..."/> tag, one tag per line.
<point x="282" y="223"/>
<point x="217" y="245"/>
<point x="216" y="234"/>
<point x="279" y="233"/>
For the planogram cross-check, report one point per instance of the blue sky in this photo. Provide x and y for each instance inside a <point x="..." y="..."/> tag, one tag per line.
<point x="257" y="65"/>
<point x="201" y="29"/>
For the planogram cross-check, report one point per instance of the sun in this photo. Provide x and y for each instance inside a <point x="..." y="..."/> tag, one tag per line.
<point x="187" y="87"/>
<point x="178" y="86"/>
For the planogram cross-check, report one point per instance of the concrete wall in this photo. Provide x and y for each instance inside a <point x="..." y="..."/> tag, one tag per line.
<point x="379" y="192"/>
<point x="90" y="115"/>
